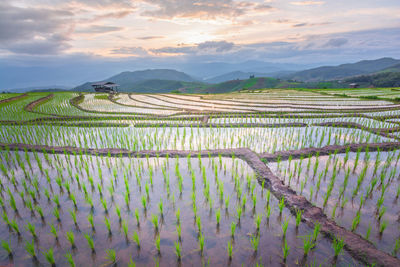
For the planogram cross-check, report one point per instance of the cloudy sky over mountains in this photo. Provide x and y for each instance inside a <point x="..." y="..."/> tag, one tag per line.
<point x="35" y="32"/>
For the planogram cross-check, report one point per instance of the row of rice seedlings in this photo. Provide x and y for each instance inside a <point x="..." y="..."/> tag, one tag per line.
<point x="100" y="200"/>
<point x="187" y="138"/>
<point x="93" y="103"/>
<point x="360" y="185"/>
<point x="281" y="119"/>
<point x="273" y="105"/>
<point x="14" y="110"/>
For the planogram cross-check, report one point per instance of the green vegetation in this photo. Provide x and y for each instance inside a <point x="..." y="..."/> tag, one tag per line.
<point x="199" y="176"/>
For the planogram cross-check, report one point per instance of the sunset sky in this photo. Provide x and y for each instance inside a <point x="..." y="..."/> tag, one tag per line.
<point x="36" y="32"/>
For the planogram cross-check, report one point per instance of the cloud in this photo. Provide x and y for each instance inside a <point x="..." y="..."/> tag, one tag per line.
<point x="132" y="51"/>
<point x="210" y="47"/>
<point x="98" y="29"/>
<point x="221" y="46"/>
<point x="202" y="9"/>
<point x="113" y="15"/>
<point x="300" y="24"/>
<point x="91" y="3"/>
<point x="34" y="30"/>
<point x="304" y="24"/>
<point x="307" y="3"/>
<point x="336" y="42"/>
<point x="149" y="37"/>
<point x="51" y="46"/>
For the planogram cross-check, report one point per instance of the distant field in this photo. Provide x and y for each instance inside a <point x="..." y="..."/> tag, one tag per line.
<point x="255" y="178"/>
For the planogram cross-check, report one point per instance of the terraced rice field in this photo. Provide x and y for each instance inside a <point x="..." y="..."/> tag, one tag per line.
<point x="268" y="178"/>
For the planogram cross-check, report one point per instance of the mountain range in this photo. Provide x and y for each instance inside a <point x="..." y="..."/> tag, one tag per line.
<point x="367" y="72"/>
<point x="328" y="73"/>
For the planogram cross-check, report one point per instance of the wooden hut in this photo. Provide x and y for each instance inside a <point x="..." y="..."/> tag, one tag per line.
<point x="354" y="85"/>
<point x="105" y="87"/>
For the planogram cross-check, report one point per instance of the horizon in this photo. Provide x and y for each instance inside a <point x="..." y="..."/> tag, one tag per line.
<point x="69" y="42"/>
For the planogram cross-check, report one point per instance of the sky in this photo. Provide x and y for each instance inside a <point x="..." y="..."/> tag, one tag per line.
<point x="113" y="35"/>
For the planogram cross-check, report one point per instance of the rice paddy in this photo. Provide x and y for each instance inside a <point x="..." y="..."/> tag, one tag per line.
<point x="266" y="178"/>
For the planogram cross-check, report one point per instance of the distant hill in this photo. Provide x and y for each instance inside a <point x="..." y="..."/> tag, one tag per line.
<point x="235" y="85"/>
<point x="328" y="73"/>
<point x="394" y="68"/>
<point x="167" y="80"/>
<point x="128" y="80"/>
<point x="259" y="83"/>
<point x="50" y="88"/>
<point x="234" y="75"/>
<point x="381" y="79"/>
<point x="160" y="86"/>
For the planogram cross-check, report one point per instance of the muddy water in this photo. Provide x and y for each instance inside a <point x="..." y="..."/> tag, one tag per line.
<point x="137" y="174"/>
<point x="344" y="207"/>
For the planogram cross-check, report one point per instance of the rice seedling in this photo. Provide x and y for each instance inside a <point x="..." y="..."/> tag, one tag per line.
<point x="30" y="249"/>
<point x="56" y="213"/>
<point x="137" y="216"/>
<point x="131" y="263"/>
<point x="229" y="248"/>
<point x="136" y="239"/>
<point x="258" y="222"/>
<point x="70" y="260"/>
<point x="90" y="220"/>
<point x="118" y="212"/>
<point x="108" y="225"/>
<point x="201" y="243"/>
<point x="396" y="247"/>
<point x="268" y="212"/>
<point x="285" y="227"/>
<point x="218" y="216"/>
<point x="111" y="256"/>
<point x="308" y="244"/>
<point x="154" y="220"/>
<point x="157" y="242"/>
<point x="178" y="250"/>
<point x="49" y="255"/>
<point x="14" y="225"/>
<point x="144" y="203"/>
<point x="178" y="216"/>
<point x="356" y="222"/>
<point x="316" y="231"/>
<point x="239" y="211"/>
<point x="6" y="246"/>
<point x="298" y="217"/>
<point x="179" y="231"/>
<point x="90" y="242"/>
<point x="73" y="216"/>
<point x="125" y="228"/>
<point x="338" y="245"/>
<point x="71" y="238"/>
<point x="255" y="240"/>
<point x="161" y="208"/>
<point x="32" y="229"/>
<point x="53" y="231"/>
<point x="233" y="229"/>
<point x="285" y="249"/>
<point x="281" y="205"/>
<point x="382" y="227"/>
<point x="104" y="204"/>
